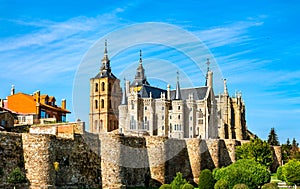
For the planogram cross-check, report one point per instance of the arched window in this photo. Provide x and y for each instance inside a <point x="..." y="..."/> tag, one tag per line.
<point x="96" y="87"/>
<point x="95" y="125"/>
<point x="96" y="104"/>
<point x="102" y="103"/>
<point x="102" y="86"/>
<point x="178" y="116"/>
<point x="101" y="125"/>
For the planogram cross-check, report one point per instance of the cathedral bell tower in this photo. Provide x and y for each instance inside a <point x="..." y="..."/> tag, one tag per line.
<point x="105" y="97"/>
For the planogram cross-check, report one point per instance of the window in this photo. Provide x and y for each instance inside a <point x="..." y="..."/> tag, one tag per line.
<point x="101" y="124"/>
<point x="162" y="117"/>
<point x="63" y="118"/>
<point x="163" y="108"/>
<point x="162" y="128"/>
<point x="191" y="128"/>
<point x="95" y="125"/>
<point x="145" y="107"/>
<point x="178" y="107"/>
<point x="102" y="86"/>
<point x="132" y="123"/>
<point x="170" y="117"/>
<point x="43" y="114"/>
<point x="145" y="118"/>
<point x="178" y="116"/>
<point x="191" y="118"/>
<point x="132" y="105"/>
<point x="96" y="104"/>
<point x="102" y="103"/>
<point x="96" y="87"/>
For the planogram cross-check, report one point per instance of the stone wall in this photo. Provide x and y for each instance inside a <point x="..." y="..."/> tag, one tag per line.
<point x="11" y="155"/>
<point x="110" y="160"/>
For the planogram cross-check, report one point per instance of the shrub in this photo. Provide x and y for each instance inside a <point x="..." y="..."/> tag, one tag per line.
<point x="279" y="173"/>
<point x="16" y="176"/>
<point x="206" y="180"/>
<point x="240" y="186"/>
<point x="244" y="171"/>
<point x="187" y="186"/>
<point x="221" y="184"/>
<point x="165" y="186"/>
<point x="178" y="181"/>
<point x="270" y="186"/>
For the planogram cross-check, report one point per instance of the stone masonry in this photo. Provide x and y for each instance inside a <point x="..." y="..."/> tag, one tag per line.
<point x="109" y="160"/>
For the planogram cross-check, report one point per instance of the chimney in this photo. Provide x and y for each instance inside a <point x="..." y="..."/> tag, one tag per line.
<point x="12" y="90"/>
<point x="37" y="96"/>
<point x="169" y="92"/>
<point x="63" y="104"/>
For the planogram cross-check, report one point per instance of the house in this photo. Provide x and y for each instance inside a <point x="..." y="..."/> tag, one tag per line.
<point x="36" y="108"/>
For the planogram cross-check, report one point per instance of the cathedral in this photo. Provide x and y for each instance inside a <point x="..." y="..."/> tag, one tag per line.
<point x="141" y="109"/>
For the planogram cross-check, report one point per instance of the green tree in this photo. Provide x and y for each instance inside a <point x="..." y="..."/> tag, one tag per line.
<point x="206" y="180"/>
<point x="244" y="171"/>
<point x="178" y="181"/>
<point x="256" y="150"/>
<point x="273" y="138"/>
<point x="286" y="151"/>
<point x="291" y="172"/>
<point x="295" y="150"/>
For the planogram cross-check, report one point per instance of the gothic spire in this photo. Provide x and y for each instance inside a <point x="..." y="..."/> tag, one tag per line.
<point x="105" y="67"/>
<point x="140" y="77"/>
<point x="124" y="97"/>
<point x="225" y="87"/>
<point x="206" y="77"/>
<point x="178" y="93"/>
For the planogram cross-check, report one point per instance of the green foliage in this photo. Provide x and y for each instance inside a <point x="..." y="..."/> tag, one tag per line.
<point x="187" y="186"/>
<point x="221" y="184"/>
<point x="256" y="150"/>
<point x="291" y="172"/>
<point x="165" y="186"/>
<point x="240" y="186"/>
<point x="244" y="171"/>
<point x="206" y="180"/>
<point x="273" y="138"/>
<point x="279" y="173"/>
<point x="290" y="151"/>
<point x="16" y="176"/>
<point x="269" y="186"/>
<point x="178" y="181"/>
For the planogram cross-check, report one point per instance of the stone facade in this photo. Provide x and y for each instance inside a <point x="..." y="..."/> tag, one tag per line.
<point x="105" y="97"/>
<point x="181" y="113"/>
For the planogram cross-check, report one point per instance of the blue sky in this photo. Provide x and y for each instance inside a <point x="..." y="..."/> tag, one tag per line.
<point x="256" y="46"/>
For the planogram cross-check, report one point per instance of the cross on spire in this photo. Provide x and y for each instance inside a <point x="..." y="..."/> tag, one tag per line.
<point x="105" y="47"/>
<point x="140" y="56"/>
<point x="208" y="64"/>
